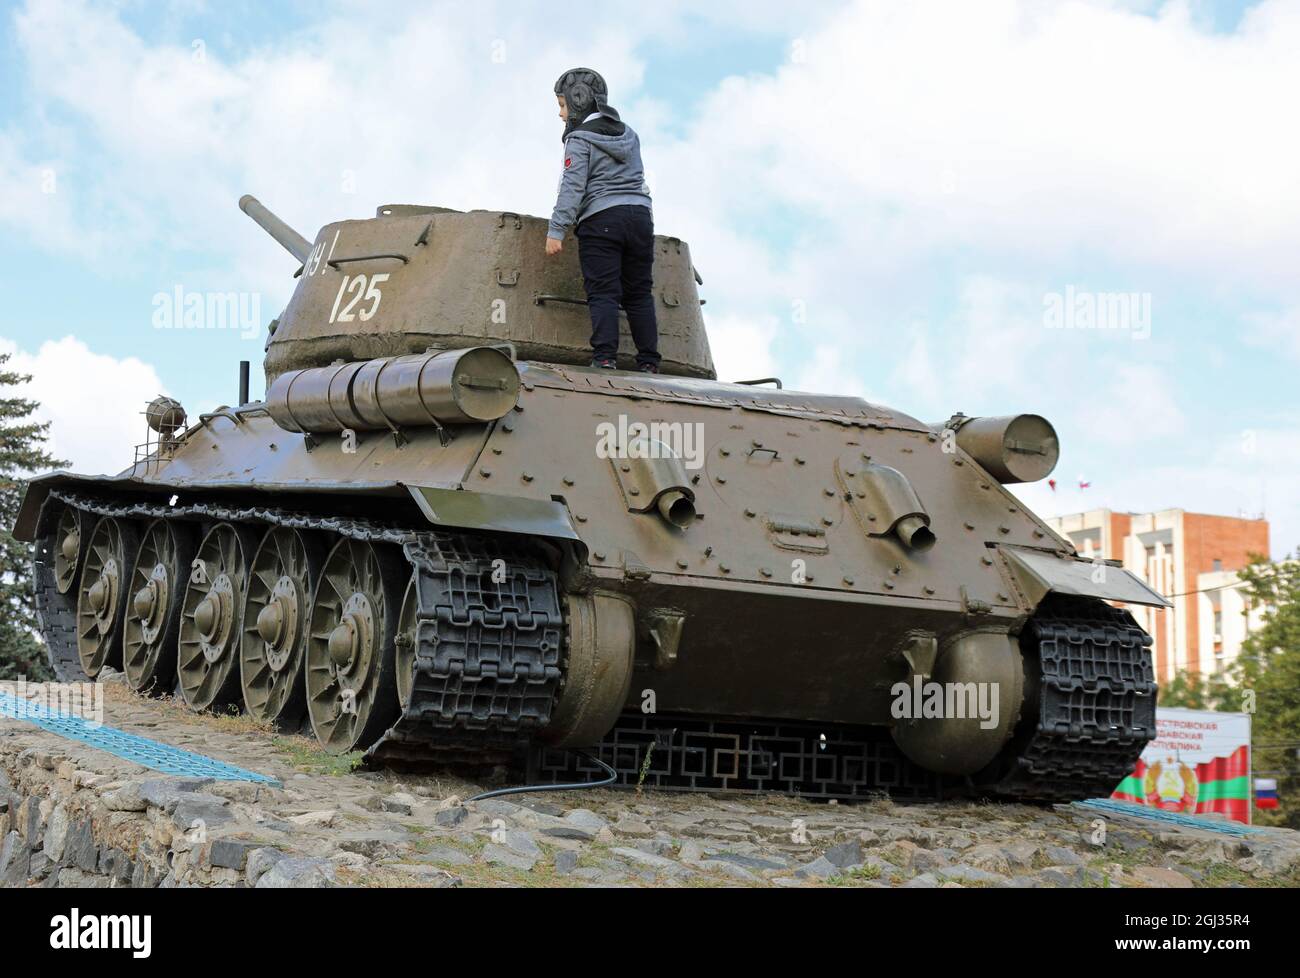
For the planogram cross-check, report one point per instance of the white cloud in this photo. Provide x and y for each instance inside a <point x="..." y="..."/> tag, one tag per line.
<point x="93" y="401"/>
<point x="742" y="348"/>
<point x="1138" y="407"/>
<point x="1040" y="139"/>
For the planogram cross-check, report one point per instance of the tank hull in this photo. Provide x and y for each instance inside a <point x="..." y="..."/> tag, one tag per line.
<point x="446" y="539"/>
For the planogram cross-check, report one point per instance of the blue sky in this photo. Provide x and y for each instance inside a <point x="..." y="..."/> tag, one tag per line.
<point x="920" y="178"/>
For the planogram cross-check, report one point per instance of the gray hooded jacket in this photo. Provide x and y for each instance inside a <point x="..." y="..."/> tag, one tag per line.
<point x="602" y="168"/>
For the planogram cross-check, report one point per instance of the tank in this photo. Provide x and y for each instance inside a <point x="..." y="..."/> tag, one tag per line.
<point x="443" y="537"/>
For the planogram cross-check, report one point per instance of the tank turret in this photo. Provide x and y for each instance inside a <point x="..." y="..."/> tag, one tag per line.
<point x="413" y="279"/>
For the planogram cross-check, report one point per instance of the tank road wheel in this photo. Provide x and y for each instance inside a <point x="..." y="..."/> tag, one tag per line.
<point x="102" y="594"/>
<point x="153" y="612"/>
<point x="271" y="648"/>
<point x="69" y="547"/>
<point x="211" y="618"/>
<point x="351" y="683"/>
<point x="405" y="645"/>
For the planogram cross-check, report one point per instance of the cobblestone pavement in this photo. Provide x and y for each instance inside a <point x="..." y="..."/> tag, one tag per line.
<point x="74" y="816"/>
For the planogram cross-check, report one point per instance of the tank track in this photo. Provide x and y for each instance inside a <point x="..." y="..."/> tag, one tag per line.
<point x="488" y="652"/>
<point x="488" y="658"/>
<point x="1095" y="706"/>
<point x="56" y="614"/>
<point x="1080" y="735"/>
<point x="489" y="669"/>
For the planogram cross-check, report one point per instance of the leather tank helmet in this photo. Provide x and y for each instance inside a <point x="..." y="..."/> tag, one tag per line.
<point x="585" y="92"/>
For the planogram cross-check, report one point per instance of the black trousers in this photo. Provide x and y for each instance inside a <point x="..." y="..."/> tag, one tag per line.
<point x="616" y="252"/>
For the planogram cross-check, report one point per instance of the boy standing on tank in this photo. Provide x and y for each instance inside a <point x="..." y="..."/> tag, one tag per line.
<point x="603" y="191"/>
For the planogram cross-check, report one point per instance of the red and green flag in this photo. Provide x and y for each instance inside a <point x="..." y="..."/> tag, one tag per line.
<point x="1220" y="785"/>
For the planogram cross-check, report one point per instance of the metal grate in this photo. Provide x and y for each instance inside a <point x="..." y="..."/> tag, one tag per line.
<point x="1175" y="818"/>
<point x="128" y="746"/>
<point x="694" y="754"/>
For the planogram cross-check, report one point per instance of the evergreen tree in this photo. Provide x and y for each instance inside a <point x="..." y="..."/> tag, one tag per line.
<point x="22" y="454"/>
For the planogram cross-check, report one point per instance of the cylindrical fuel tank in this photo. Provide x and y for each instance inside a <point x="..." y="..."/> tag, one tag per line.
<point x="1016" y="448"/>
<point x="453" y="387"/>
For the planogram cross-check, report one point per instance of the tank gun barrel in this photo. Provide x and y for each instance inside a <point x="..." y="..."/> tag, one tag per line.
<point x="289" y="239"/>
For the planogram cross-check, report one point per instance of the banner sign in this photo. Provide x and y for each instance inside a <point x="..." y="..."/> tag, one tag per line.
<point x="1199" y="763"/>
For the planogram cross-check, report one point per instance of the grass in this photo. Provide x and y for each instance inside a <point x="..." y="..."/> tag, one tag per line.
<point x="304" y="755"/>
<point x="861" y="873"/>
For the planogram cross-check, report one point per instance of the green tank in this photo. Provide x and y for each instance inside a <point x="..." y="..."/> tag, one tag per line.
<point x="442" y="536"/>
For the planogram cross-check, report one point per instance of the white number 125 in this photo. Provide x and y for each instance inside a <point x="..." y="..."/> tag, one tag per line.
<point x="358" y="286"/>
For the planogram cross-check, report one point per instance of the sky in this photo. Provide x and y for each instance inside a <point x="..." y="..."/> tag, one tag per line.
<point x="918" y="203"/>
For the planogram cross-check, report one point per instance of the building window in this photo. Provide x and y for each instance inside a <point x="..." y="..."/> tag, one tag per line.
<point x="1218" y="564"/>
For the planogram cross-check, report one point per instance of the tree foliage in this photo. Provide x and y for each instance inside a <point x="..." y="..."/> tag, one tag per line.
<point x="22" y="454"/>
<point x="1270" y="665"/>
<point x="1190" y="691"/>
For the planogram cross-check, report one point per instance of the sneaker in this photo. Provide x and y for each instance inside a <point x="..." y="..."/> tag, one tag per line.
<point x="649" y="368"/>
<point x="604" y="364"/>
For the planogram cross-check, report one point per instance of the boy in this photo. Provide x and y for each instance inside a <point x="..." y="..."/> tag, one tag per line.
<point x="603" y="191"/>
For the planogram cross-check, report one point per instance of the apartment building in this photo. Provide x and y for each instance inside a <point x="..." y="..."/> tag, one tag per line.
<point x="1190" y="559"/>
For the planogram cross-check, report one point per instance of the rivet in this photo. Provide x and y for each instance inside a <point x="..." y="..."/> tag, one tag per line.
<point x="683" y="564"/>
<point x="958" y="461"/>
<point x="757" y="443"/>
<point x="695" y="480"/>
<point x="507" y="427"/>
<point x="827" y="521"/>
<point x="765" y="571"/>
<point x="1004" y="529"/>
<point x="985" y="485"/>
<point x="580" y="517"/>
<point x="527" y="477"/>
<point x="749" y="513"/>
<point x="1002" y="597"/>
<point x="567" y="481"/>
<point x="969" y="526"/>
<point x="634" y="491"/>
<point x="848" y="580"/>
<point x="829" y="492"/>
<point x="598" y="555"/>
<point x="485" y="473"/>
<point x="898" y="569"/>
<point x="798" y="460"/>
<point x="724" y="452"/>
<point x="519" y="408"/>
<point x="722" y="479"/>
<point x="986" y="561"/>
<point x="850" y="473"/>
<point x="808" y="577"/>
<point x="871" y="517"/>
<point x="496" y="451"/>
<point x="928" y="590"/>
<point x="931" y="438"/>
<point x="626" y="468"/>
<point x="724" y="568"/>
<point x="1038" y="534"/>
<point x="889" y="585"/>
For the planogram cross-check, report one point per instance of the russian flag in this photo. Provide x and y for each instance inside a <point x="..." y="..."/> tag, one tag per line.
<point x="1265" y="793"/>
